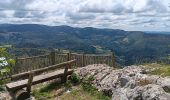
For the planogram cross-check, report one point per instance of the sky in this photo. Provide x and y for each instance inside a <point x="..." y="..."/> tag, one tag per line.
<point x="133" y="15"/>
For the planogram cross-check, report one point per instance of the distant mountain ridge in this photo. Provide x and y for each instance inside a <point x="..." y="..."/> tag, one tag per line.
<point x="157" y="32"/>
<point x="129" y="46"/>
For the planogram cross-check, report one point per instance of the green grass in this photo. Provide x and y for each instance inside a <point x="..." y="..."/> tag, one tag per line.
<point x="55" y="91"/>
<point x="42" y="95"/>
<point x="45" y="92"/>
<point x="80" y="94"/>
<point x="159" y="69"/>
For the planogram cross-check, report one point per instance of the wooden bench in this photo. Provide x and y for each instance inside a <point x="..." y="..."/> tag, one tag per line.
<point x="27" y="79"/>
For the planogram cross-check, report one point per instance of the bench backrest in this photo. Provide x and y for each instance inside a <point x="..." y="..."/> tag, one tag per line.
<point x="25" y="75"/>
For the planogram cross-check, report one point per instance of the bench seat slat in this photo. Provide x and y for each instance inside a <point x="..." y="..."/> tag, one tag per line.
<point x="37" y="79"/>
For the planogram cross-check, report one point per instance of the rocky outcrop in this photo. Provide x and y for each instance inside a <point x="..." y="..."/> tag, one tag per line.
<point x="129" y="83"/>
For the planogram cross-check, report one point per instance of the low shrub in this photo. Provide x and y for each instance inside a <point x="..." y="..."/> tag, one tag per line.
<point x="6" y="64"/>
<point x="90" y="88"/>
<point x="87" y="84"/>
<point x="75" y="78"/>
<point x="68" y="85"/>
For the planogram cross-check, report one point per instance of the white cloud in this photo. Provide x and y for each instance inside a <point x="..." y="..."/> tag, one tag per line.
<point x="7" y="13"/>
<point x="125" y="14"/>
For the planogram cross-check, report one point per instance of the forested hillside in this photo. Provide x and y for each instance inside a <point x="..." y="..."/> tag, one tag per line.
<point x="130" y="47"/>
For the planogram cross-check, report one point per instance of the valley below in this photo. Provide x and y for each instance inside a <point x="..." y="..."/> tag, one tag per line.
<point x="130" y="47"/>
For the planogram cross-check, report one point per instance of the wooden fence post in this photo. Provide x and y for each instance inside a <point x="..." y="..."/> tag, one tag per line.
<point x="113" y="59"/>
<point x="83" y="60"/>
<point x="30" y="79"/>
<point x="52" y="55"/>
<point x="68" y="56"/>
<point x="15" y="70"/>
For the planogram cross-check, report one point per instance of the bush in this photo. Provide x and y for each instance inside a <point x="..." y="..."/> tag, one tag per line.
<point x="88" y="87"/>
<point x="87" y="84"/>
<point x="75" y="78"/>
<point x="6" y="62"/>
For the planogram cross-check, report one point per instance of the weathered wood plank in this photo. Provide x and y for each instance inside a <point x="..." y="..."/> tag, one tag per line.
<point x="37" y="79"/>
<point x="40" y="71"/>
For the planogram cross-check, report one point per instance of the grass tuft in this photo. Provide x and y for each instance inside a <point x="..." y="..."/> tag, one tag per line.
<point x="46" y="92"/>
<point x="159" y="69"/>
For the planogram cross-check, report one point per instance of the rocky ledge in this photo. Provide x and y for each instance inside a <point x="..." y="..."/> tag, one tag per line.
<point x="129" y="83"/>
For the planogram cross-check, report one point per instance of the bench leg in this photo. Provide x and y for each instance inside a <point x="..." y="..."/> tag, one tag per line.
<point x="20" y="94"/>
<point x="64" y="79"/>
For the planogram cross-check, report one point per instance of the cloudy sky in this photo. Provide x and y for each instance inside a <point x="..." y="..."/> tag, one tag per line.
<point x="148" y="15"/>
